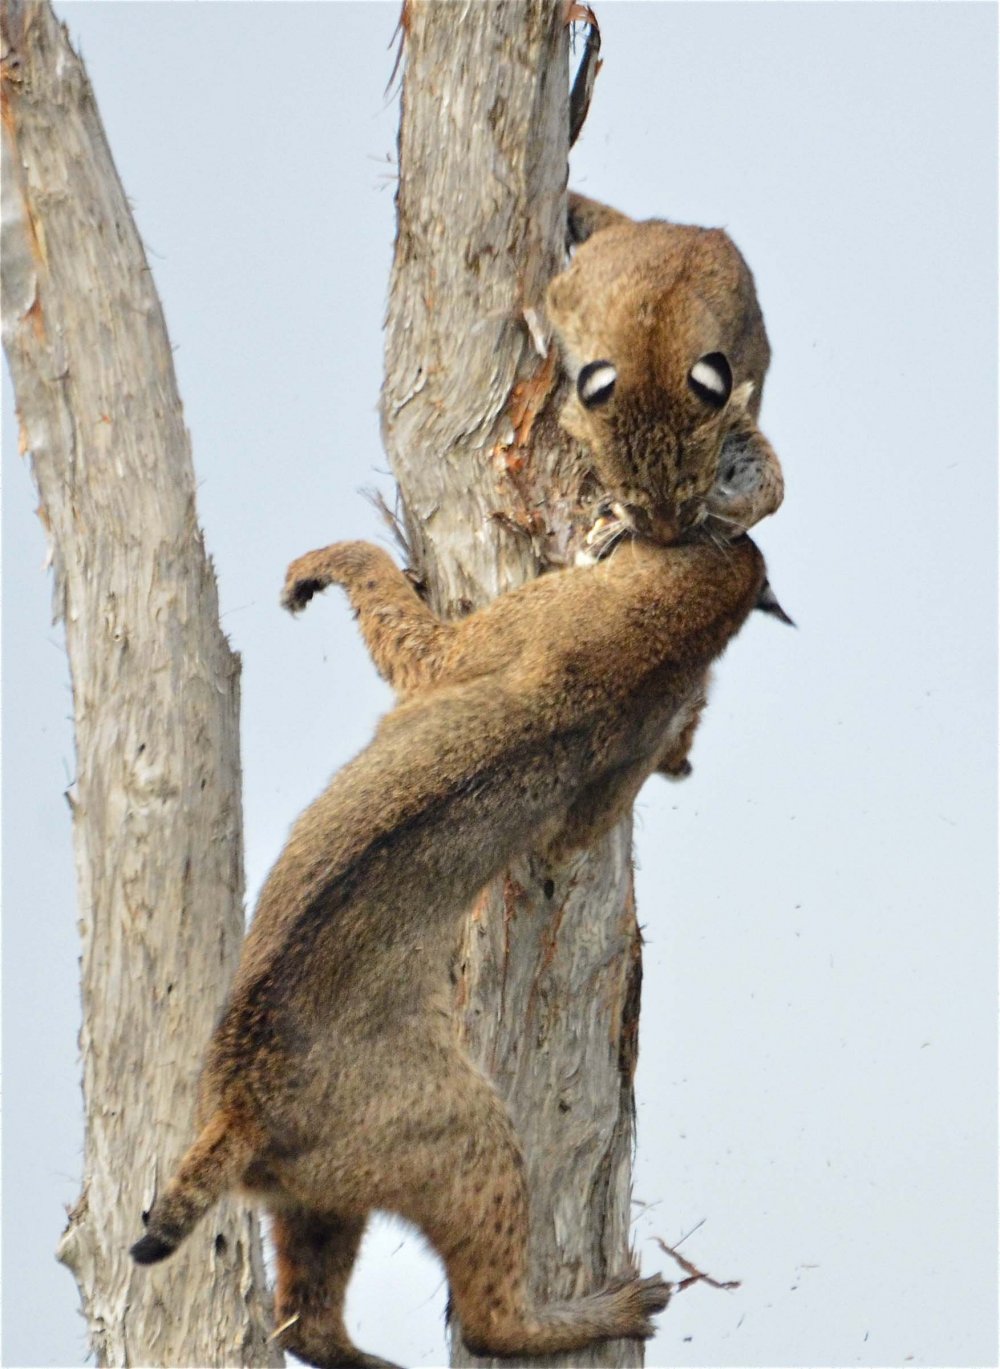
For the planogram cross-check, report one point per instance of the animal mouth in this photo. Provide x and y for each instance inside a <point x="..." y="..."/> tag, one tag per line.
<point x="611" y="523"/>
<point x="615" y="519"/>
<point x="658" y="525"/>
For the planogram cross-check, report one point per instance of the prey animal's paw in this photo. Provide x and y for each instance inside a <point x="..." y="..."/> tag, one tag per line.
<point x="750" y="484"/>
<point x="677" y="770"/>
<point x="608" y="526"/>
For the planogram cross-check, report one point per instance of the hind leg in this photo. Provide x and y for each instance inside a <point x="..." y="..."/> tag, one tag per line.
<point x="475" y="1213"/>
<point x="487" y="1278"/>
<point x="316" y="1253"/>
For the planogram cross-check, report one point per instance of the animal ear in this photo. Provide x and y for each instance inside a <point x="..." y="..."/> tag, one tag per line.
<point x="711" y="378"/>
<point x="596" y="383"/>
<point x="742" y="396"/>
<point x="587" y="217"/>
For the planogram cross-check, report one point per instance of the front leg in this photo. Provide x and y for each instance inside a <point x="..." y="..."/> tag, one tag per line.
<point x="406" y="641"/>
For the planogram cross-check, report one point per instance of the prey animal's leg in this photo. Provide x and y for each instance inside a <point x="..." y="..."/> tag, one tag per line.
<point x="673" y="761"/>
<point x="749" y="485"/>
<point x="406" y="640"/>
<point x="475" y="1213"/>
<point x="675" y="769"/>
<point x="316" y="1253"/>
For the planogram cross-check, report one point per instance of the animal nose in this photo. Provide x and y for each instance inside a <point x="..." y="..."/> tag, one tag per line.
<point x="664" y="526"/>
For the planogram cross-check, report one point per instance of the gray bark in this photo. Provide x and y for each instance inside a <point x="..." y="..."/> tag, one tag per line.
<point x="156" y="800"/>
<point x="547" y="983"/>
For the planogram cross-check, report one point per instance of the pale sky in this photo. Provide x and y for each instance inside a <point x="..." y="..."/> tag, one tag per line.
<point x="817" y="1081"/>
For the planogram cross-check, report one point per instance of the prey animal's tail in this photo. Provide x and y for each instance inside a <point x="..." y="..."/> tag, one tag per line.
<point x="213" y="1164"/>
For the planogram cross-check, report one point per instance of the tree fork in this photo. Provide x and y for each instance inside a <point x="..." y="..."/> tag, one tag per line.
<point x="157" y="819"/>
<point x="547" y="980"/>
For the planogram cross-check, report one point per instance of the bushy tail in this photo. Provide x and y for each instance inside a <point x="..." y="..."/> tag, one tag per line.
<point x="212" y="1165"/>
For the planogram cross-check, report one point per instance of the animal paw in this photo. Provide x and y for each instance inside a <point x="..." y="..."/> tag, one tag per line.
<point x="609" y="525"/>
<point x="642" y="1299"/>
<point x="679" y="770"/>
<point x="339" y="564"/>
<point x="750" y="484"/>
<point x="303" y="579"/>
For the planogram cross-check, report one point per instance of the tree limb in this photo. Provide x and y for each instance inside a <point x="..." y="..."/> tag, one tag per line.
<point x="547" y="983"/>
<point x="156" y="808"/>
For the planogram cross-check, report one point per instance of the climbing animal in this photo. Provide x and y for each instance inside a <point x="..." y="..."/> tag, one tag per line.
<point x="334" y="1084"/>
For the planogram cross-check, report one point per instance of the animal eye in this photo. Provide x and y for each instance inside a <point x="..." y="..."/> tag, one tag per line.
<point x="596" y="383"/>
<point x="711" y="379"/>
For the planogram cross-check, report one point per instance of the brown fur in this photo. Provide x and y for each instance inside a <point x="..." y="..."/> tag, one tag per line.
<point x="652" y="298"/>
<point x="523" y="727"/>
<point x="334" y="1084"/>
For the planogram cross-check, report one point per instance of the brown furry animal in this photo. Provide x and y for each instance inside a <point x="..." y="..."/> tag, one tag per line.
<point x="334" y="1083"/>
<point x="660" y="328"/>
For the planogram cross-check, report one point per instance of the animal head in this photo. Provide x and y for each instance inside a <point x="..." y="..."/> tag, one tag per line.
<point x="664" y="342"/>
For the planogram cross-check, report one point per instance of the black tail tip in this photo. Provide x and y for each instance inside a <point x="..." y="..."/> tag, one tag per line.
<point x="151" y="1249"/>
<point x="767" y="602"/>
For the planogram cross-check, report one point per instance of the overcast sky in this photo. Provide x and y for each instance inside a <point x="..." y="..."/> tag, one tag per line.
<point x="817" y="1081"/>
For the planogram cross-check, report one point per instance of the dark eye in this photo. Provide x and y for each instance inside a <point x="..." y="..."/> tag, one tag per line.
<point x="711" y="379"/>
<point x="596" y="383"/>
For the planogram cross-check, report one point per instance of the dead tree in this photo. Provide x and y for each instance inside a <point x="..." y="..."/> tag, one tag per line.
<point x="547" y="981"/>
<point x="157" y="819"/>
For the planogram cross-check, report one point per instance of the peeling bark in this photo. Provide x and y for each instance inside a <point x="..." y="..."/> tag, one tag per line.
<point x="549" y="971"/>
<point x="157" y="820"/>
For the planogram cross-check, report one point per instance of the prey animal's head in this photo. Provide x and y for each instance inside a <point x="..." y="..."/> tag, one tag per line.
<point x="664" y="342"/>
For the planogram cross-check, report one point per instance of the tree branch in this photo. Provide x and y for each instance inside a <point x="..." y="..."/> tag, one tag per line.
<point x="547" y="983"/>
<point x="156" y="806"/>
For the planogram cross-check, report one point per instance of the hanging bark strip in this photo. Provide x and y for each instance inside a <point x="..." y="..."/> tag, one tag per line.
<point x="157" y="821"/>
<point x="590" y="65"/>
<point x="548" y="976"/>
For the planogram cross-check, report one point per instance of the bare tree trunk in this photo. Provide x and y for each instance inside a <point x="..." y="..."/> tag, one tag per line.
<point x="548" y="981"/>
<point x="156" y="802"/>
